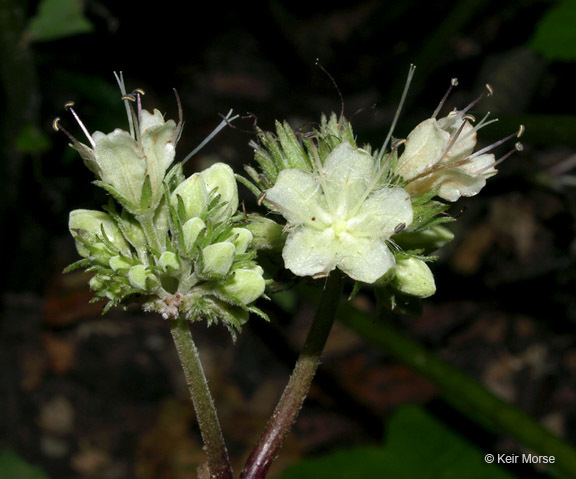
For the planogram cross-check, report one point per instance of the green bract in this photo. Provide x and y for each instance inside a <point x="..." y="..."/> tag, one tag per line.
<point x="176" y="245"/>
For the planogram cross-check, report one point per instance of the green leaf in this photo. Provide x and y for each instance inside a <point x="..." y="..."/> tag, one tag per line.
<point x="58" y="19"/>
<point x="31" y="139"/>
<point x="417" y="446"/>
<point x="14" y="467"/>
<point x="555" y="34"/>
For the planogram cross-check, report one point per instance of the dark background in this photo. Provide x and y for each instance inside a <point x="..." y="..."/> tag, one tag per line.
<point x="91" y="397"/>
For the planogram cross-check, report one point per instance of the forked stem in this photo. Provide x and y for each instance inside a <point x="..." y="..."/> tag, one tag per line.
<point x="293" y="397"/>
<point x="218" y="461"/>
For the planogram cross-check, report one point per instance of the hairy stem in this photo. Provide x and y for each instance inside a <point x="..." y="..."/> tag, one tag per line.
<point x="297" y="388"/>
<point x="218" y="461"/>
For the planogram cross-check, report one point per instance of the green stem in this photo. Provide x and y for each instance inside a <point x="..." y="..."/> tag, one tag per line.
<point x="147" y="223"/>
<point x="290" y="403"/>
<point x="218" y="461"/>
<point x="463" y="392"/>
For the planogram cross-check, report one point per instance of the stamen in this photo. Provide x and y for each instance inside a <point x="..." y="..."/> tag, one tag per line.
<point x="454" y="137"/>
<point x="517" y="148"/>
<point x="398" y="110"/>
<point x="120" y="80"/>
<point x="138" y="92"/>
<point x="320" y="275"/>
<point x="58" y="127"/>
<point x="453" y="83"/>
<point x="68" y="106"/>
<point x="261" y="198"/>
<point x="227" y="119"/>
<point x="489" y="92"/>
<point x="331" y="78"/>
<point x="518" y="134"/>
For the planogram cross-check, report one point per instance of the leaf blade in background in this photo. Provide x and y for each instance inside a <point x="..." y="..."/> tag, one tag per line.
<point x="58" y="19"/>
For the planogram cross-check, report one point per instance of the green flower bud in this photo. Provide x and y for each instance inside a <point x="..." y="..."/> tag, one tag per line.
<point x="242" y="240"/>
<point x="132" y="230"/>
<point x="139" y="276"/>
<point x="220" y="177"/>
<point x="118" y="262"/>
<point x="267" y="234"/>
<point x="194" y="196"/>
<point x="429" y="240"/>
<point x="87" y="225"/>
<point x="217" y="258"/>
<point x="246" y="285"/>
<point x="191" y="229"/>
<point x="414" y="277"/>
<point x="169" y="262"/>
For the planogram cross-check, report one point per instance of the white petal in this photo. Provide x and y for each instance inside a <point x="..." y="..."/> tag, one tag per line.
<point x="424" y="147"/>
<point x="309" y="251"/>
<point x="383" y="211"/>
<point x="299" y="197"/>
<point x="220" y="177"/>
<point x="348" y="172"/>
<point x="363" y="259"/>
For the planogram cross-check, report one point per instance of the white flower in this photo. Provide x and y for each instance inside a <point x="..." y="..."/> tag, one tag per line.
<point x="123" y="161"/>
<point x="439" y="154"/>
<point x="340" y="216"/>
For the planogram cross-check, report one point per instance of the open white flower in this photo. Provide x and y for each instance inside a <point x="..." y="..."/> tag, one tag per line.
<point x="439" y="154"/>
<point x="340" y="216"/>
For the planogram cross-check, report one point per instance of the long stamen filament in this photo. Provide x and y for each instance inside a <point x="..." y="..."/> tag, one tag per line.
<point x="120" y="80"/>
<point x="398" y="110"/>
<point x="453" y="83"/>
<point x="227" y="119"/>
<point x="69" y="106"/>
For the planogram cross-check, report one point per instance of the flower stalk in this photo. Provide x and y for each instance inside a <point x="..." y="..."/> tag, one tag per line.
<point x="218" y="461"/>
<point x="284" y="416"/>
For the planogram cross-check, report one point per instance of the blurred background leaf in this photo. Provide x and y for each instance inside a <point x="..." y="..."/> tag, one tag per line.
<point x="13" y="466"/>
<point x="413" y="439"/>
<point x="555" y="35"/>
<point x="57" y="19"/>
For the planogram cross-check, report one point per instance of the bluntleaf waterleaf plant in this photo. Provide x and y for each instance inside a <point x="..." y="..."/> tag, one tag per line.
<point x="179" y="247"/>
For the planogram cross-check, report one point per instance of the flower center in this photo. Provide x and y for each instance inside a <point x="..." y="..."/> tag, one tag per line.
<point x="340" y="226"/>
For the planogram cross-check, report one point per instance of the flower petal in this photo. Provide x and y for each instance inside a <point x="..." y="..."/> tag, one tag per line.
<point x="382" y="211"/>
<point x="309" y="251"/>
<point x="348" y="172"/>
<point x="363" y="259"/>
<point x="424" y="147"/>
<point x="300" y="198"/>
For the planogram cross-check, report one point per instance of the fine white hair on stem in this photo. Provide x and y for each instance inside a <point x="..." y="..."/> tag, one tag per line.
<point x="227" y="119"/>
<point x="398" y="110"/>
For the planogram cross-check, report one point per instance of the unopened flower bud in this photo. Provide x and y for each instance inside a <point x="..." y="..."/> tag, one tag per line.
<point x="169" y="262"/>
<point x="414" y="277"/>
<point x="217" y="258"/>
<point x="139" y="277"/>
<point x="246" y="285"/>
<point x="118" y="262"/>
<point x="194" y="196"/>
<point x="267" y="234"/>
<point x="242" y="240"/>
<point x="220" y="177"/>
<point x="191" y="229"/>
<point x="87" y="225"/>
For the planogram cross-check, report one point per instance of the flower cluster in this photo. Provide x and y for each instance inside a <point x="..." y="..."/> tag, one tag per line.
<point x="176" y="244"/>
<point x="371" y="214"/>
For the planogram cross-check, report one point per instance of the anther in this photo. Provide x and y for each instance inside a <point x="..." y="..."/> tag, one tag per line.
<point x="454" y="82"/>
<point x="261" y="199"/>
<point x="129" y="97"/>
<point x="320" y="276"/>
<point x="68" y="105"/>
<point x="55" y="124"/>
<point x="518" y="146"/>
<point x="469" y="117"/>
<point x="399" y="228"/>
<point x="139" y="91"/>
<point x="490" y="89"/>
<point x="396" y="143"/>
<point x="521" y="131"/>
